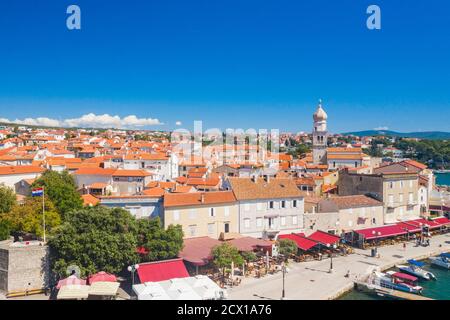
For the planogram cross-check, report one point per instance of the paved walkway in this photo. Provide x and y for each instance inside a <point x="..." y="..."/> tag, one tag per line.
<point x="312" y="281"/>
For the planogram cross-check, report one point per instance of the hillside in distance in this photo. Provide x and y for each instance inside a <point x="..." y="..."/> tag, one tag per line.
<point x="431" y="135"/>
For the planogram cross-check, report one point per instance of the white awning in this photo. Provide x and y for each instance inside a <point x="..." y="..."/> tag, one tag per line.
<point x="73" y="291"/>
<point x="101" y="288"/>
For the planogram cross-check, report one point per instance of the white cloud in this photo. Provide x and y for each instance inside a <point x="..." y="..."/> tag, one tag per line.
<point x="178" y="123"/>
<point x="90" y="120"/>
<point x="381" y="128"/>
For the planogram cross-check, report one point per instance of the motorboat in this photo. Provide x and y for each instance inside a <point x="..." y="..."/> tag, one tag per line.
<point x="397" y="281"/>
<point x="443" y="260"/>
<point x="415" y="268"/>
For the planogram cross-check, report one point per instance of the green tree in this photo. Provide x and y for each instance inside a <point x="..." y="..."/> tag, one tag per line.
<point x="28" y="217"/>
<point x="7" y="199"/>
<point x="61" y="189"/>
<point x="224" y="255"/>
<point x="287" y="247"/>
<point x="249" y="256"/>
<point x="95" y="239"/>
<point x="161" y="244"/>
<point x="5" y="229"/>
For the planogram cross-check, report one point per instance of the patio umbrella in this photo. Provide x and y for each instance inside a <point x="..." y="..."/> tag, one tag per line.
<point x="71" y="280"/>
<point x="102" y="277"/>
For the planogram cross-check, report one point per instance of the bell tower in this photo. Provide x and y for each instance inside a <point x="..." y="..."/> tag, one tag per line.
<point x="320" y="135"/>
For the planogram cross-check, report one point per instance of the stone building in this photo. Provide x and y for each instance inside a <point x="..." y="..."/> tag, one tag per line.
<point x="24" y="267"/>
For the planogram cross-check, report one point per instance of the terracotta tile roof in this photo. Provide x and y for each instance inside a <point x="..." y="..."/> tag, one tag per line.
<point x="156" y="192"/>
<point x="183" y="189"/>
<point x="246" y="189"/>
<point x="345" y="156"/>
<point x="8" y="170"/>
<point x="146" y="156"/>
<point x="98" y="185"/>
<point x="195" y="198"/>
<point x="210" y="182"/>
<point x="131" y="173"/>
<point x="356" y="201"/>
<point x="415" y="164"/>
<point x="344" y="150"/>
<point x="95" y="171"/>
<point x="89" y="200"/>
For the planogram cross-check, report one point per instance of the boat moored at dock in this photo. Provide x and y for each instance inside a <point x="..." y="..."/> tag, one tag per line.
<point x="443" y="260"/>
<point x="415" y="268"/>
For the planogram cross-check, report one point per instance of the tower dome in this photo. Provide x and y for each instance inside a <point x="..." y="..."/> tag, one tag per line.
<point x="320" y="114"/>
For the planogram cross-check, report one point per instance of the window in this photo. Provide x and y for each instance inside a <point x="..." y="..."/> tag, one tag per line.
<point x="401" y="184"/>
<point x="271" y="205"/>
<point x="211" y="212"/>
<point x="294" y="203"/>
<point x="283" y="204"/>
<point x="210" y="228"/>
<point x="391" y="185"/>
<point x="294" y="220"/>
<point x="400" y="197"/>
<point x="374" y="221"/>
<point x="259" y="222"/>
<point x="259" y="206"/>
<point x="226" y="227"/>
<point x="410" y="183"/>
<point x="192" y="214"/>
<point x="176" y="215"/>
<point x="247" y="223"/>
<point x="283" y="221"/>
<point x="226" y="211"/>
<point x="193" y="230"/>
<point x="247" y="207"/>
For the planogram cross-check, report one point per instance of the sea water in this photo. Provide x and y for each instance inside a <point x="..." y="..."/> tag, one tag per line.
<point x="443" y="179"/>
<point x="436" y="289"/>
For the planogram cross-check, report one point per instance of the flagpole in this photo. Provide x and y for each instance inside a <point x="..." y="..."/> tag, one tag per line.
<point x="43" y="208"/>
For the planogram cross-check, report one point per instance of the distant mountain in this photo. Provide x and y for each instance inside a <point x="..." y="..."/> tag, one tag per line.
<point x="432" y="135"/>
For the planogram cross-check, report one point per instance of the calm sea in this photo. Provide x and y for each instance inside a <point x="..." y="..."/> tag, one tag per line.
<point x="436" y="289"/>
<point x="443" y="179"/>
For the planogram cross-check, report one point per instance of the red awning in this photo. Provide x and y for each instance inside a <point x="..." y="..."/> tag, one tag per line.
<point x="162" y="270"/>
<point x="430" y="223"/>
<point x="302" y="243"/>
<point x="442" y="221"/>
<point x="404" y="276"/>
<point x="197" y="251"/>
<point x="102" y="277"/>
<point x="408" y="227"/>
<point x="324" y="237"/>
<point x="385" y="232"/>
<point x="249" y="243"/>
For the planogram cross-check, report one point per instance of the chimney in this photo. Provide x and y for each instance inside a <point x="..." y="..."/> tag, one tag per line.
<point x="254" y="178"/>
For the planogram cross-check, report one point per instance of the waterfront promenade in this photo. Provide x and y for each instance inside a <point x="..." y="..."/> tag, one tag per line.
<point x="311" y="280"/>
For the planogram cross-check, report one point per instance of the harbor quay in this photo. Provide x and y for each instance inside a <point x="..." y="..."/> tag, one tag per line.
<point x="313" y="280"/>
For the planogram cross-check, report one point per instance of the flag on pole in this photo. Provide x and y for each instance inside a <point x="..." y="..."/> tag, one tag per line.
<point x="38" y="192"/>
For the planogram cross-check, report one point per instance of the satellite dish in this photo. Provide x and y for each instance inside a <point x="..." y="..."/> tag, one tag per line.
<point x="73" y="270"/>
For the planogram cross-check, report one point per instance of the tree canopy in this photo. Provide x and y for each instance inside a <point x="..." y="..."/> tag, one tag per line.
<point x="104" y="239"/>
<point x="5" y="229"/>
<point x="61" y="189"/>
<point x="224" y="254"/>
<point x="7" y="199"/>
<point x="161" y="244"/>
<point x="287" y="247"/>
<point x="28" y="217"/>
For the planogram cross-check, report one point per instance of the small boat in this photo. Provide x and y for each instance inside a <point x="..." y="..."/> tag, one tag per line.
<point x="397" y="281"/>
<point x="415" y="268"/>
<point x="443" y="260"/>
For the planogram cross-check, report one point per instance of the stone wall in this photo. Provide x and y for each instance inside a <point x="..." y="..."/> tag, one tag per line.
<point x="23" y="267"/>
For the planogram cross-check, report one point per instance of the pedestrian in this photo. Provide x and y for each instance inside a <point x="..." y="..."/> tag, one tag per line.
<point x="404" y="245"/>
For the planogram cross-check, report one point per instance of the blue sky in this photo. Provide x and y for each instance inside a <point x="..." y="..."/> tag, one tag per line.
<point x="232" y="64"/>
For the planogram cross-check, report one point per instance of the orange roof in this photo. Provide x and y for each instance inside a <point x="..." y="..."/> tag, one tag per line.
<point x="345" y="156"/>
<point x="131" y="173"/>
<point x="95" y="171"/>
<point x="182" y="189"/>
<point x="146" y="156"/>
<point x="89" y="200"/>
<point x="415" y="164"/>
<point x="198" y="198"/>
<point x="7" y="170"/>
<point x="344" y="150"/>
<point x="202" y="181"/>
<point x="157" y="192"/>
<point x="98" y="185"/>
